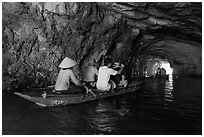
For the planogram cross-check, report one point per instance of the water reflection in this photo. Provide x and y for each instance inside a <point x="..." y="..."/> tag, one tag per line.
<point x="103" y="121"/>
<point x="168" y="90"/>
<point x="107" y="115"/>
<point x="159" y="107"/>
<point x="170" y="77"/>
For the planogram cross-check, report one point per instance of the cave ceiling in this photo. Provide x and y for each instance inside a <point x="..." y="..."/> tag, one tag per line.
<point x="182" y="17"/>
<point x="171" y="30"/>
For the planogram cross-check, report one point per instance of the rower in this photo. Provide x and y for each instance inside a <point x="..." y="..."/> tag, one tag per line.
<point x="66" y="76"/>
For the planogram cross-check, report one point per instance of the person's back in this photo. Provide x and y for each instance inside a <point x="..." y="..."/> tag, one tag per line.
<point x="90" y="74"/>
<point x="66" y="76"/>
<point x="63" y="79"/>
<point x="104" y="76"/>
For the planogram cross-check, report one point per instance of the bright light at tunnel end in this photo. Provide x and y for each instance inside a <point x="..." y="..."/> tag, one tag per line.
<point x="169" y="70"/>
<point x="167" y="67"/>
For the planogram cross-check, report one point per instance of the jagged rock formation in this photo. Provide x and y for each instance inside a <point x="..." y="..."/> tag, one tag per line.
<point x="38" y="35"/>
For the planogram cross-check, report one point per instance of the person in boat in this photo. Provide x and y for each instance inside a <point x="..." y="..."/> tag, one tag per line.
<point x="119" y="78"/>
<point x="66" y="77"/>
<point x="90" y="74"/>
<point x="103" y="82"/>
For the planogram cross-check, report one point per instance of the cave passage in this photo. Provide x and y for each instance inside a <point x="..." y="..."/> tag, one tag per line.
<point x="36" y="36"/>
<point x="151" y="66"/>
<point x="159" y="43"/>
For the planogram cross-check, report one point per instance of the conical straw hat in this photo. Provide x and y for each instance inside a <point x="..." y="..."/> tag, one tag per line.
<point x="67" y="63"/>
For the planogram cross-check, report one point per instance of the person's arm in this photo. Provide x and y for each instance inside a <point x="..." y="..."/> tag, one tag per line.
<point x="113" y="72"/>
<point x="121" y="69"/>
<point x="74" y="79"/>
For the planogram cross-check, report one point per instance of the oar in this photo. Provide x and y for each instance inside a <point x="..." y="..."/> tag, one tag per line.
<point x="89" y="90"/>
<point x="92" y="93"/>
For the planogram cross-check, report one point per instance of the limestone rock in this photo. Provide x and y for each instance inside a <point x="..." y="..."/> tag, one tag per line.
<point x="36" y="36"/>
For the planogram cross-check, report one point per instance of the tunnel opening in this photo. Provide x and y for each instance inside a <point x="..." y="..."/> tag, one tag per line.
<point x="151" y="67"/>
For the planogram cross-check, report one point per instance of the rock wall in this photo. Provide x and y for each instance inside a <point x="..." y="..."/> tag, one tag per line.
<point x="38" y="35"/>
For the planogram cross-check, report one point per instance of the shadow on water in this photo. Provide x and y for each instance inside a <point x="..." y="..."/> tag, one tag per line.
<point x="160" y="107"/>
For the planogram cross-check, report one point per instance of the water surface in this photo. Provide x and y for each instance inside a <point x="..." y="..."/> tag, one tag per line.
<point x="160" y="107"/>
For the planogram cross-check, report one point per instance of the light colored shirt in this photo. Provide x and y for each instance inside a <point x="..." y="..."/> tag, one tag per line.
<point x="104" y="77"/>
<point x="63" y="79"/>
<point x="90" y="73"/>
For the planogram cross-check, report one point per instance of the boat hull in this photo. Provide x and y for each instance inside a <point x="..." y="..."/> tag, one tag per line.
<point x="51" y="99"/>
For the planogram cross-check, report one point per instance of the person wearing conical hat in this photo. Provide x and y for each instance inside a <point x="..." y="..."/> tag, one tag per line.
<point x="66" y="76"/>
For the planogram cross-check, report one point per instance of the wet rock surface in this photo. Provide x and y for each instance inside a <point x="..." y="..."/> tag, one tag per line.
<point x="36" y="36"/>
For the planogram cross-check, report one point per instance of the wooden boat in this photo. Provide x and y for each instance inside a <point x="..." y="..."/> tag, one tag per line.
<point x="47" y="98"/>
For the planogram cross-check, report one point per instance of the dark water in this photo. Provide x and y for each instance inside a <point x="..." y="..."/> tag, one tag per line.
<point x="160" y="107"/>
